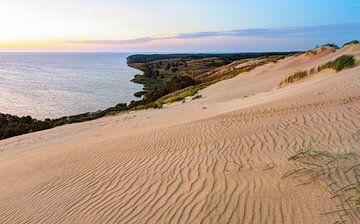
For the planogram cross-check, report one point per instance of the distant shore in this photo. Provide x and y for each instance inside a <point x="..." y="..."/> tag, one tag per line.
<point x="162" y="75"/>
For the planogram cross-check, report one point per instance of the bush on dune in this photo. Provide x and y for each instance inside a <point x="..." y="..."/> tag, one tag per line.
<point x="331" y="45"/>
<point x="351" y="42"/>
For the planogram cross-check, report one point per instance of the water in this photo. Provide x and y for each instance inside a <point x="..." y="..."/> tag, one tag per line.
<point x="57" y="84"/>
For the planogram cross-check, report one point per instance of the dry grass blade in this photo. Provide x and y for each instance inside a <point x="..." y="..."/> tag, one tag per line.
<point x="292" y="172"/>
<point x="269" y="166"/>
<point x="333" y="168"/>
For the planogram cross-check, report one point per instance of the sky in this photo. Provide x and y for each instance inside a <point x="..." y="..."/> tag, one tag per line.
<point x="176" y="26"/>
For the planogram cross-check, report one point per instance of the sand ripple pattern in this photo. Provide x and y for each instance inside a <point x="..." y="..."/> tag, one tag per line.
<point x="211" y="171"/>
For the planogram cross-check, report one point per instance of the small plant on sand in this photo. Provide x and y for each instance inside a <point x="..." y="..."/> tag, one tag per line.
<point x="182" y="94"/>
<point x="340" y="63"/>
<point x="295" y="77"/>
<point x="154" y="105"/>
<point x="198" y="96"/>
<point x="337" y="172"/>
<point x="313" y="71"/>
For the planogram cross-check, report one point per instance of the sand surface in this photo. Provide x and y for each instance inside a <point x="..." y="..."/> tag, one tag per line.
<point x="203" y="161"/>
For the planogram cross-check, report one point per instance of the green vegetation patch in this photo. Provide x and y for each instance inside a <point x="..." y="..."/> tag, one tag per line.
<point x="295" y="77"/>
<point x="11" y="125"/>
<point x="165" y="74"/>
<point x="331" y="45"/>
<point x="351" y="42"/>
<point x="154" y="105"/>
<point x="182" y="94"/>
<point x="198" y="96"/>
<point x="228" y="57"/>
<point x="342" y="62"/>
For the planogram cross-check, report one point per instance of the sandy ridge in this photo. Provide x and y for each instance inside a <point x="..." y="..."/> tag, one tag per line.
<point x="186" y="164"/>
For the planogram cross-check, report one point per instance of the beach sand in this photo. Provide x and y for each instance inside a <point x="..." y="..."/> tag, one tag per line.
<point x="203" y="161"/>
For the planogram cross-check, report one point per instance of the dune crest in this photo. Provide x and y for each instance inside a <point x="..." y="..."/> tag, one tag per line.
<point x="217" y="159"/>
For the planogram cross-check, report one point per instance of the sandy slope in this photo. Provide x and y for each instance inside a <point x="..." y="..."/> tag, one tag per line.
<point x="199" y="162"/>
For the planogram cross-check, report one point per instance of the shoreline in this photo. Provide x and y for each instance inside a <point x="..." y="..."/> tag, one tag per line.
<point x="66" y="84"/>
<point x="23" y="124"/>
<point x="157" y="83"/>
<point x="223" y="158"/>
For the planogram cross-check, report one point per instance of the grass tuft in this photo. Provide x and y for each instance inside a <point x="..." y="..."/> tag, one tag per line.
<point x="342" y="62"/>
<point x="198" y="96"/>
<point x="339" y="64"/>
<point x="295" y="77"/>
<point x="154" y="105"/>
<point x="338" y="172"/>
<point x="182" y="94"/>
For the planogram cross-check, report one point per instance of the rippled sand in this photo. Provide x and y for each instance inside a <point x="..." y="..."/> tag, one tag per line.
<point x="204" y="161"/>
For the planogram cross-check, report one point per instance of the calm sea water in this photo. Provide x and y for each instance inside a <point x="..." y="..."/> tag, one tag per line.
<point x="58" y="84"/>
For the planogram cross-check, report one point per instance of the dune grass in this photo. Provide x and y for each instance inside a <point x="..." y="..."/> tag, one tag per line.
<point x="295" y="77"/>
<point x="184" y="93"/>
<point x="340" y="63"/>
<point x="337" y="172"/>
<point x="198" y="96"/>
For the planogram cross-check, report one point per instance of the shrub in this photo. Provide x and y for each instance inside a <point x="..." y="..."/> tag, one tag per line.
<point x="331" y="45"/>
<point x="168" y="66"/>
<point x="351" y="42"/>
<point x="11" y="125"/>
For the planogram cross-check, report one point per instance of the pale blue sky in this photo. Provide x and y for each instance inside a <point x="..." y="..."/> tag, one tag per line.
<point x="187" y="25"/>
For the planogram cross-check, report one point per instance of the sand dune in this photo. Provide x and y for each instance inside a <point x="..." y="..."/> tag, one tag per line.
<point x="217" y="159"/>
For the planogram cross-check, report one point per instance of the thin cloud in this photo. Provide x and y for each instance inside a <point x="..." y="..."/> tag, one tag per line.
<point x="345" y="6"/>
<point x="334" y="30"/>
<point x="114" y="42"/>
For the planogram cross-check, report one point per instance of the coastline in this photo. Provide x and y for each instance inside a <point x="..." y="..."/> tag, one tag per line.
<point x="12" y="125"/>
<point x="227" y="151"/>
<point x="54" y="85"/>
<point x="178" y="82"/>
